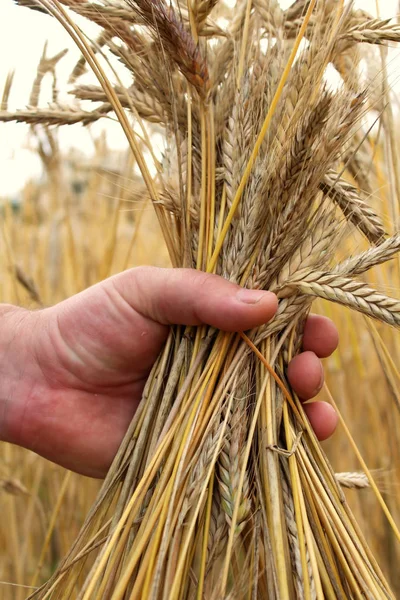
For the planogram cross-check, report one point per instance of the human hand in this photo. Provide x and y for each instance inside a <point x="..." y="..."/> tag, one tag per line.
<point x="72" y="375"/>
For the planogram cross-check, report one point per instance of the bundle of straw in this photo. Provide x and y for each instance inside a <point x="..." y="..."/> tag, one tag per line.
<point x="220" y="488"/>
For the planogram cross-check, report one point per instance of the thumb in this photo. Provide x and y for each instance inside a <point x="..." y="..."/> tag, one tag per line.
<point x="189" y="297"/>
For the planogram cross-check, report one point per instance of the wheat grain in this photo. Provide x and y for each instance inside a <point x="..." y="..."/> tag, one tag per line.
<point x="361" y="263"/>
<point x="230" y="464"/>
<point x="57" y="115"/>
<point x="374" y="31"/>
<point x="351" y="293"/>
<point x="358" y="481"/>
<point x="353" y="207"/>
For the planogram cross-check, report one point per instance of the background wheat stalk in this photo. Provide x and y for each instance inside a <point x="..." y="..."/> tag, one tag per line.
<point x="220" y="488"/>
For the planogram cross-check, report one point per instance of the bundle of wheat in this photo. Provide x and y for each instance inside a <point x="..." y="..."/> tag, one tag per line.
<point x="220" y="488"/>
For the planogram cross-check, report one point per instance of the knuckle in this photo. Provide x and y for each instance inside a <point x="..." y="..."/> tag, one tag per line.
<point x="205" y="280"/>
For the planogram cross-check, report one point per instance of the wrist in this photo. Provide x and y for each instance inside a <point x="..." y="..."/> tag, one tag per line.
<point x="16" y="328"/>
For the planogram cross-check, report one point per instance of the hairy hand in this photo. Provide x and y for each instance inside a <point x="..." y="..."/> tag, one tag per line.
<point x="73" y="374"/>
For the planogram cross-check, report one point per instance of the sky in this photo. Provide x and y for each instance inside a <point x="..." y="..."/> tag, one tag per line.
<point x="23" y="33"/>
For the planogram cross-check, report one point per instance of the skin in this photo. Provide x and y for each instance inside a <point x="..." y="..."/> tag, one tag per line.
<point x="72" y="375"/>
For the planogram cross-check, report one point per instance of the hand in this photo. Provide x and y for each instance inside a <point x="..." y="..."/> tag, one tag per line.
<point x="72" y="375"/>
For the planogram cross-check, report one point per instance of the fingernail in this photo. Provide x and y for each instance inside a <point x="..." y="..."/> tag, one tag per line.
<point x="251" y="296"/>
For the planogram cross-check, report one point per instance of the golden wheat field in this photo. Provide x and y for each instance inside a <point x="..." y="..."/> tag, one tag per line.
<point x="279" y="169"/>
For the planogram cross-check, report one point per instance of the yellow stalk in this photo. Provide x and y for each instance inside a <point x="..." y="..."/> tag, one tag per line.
<point x="211" y="182"/>
<point x="203" y="397"/>
<point x="323" y="509"/>
<point x="53" y="520"/>
<point x="347" y="538"/>
<point x="284" y="590"/>
<point x="190" y="394"/>
<point x="135" y="556"/>
<point x="274" y="496"/>
<point x="327" y="587"/>
<point x="130" y="512"/>
<point x="166" y="498"/>
<point x="189" y="162"/>
<point x="203" y="557"/>
<point x="51" y="589"/>
<point x="297" y="492"/>
<point x="311" y="544"/>
<point x="203" y="192"/>
<point x="175" y="589"/>
<point x="11" y="512"/>
<point x="135" y="235"/>
<point x="224" y="340"/>
<point x="221" y="218"/>
<point x="214" y="400"/>
<point x="294" y="477"/>
<point x="385" y="350"/>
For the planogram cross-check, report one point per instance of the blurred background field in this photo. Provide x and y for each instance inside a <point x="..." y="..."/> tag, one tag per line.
<point x="81" y="216"/>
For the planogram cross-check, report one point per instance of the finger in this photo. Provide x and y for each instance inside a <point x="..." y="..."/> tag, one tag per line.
<point x="306" y="375"/>
<point x="323" y="419"/>
<point x="189" y="297"/>
<point x="320" y="336"/>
